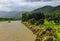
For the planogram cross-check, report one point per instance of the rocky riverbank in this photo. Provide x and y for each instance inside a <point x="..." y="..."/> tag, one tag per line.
<point x="40" y="31"/>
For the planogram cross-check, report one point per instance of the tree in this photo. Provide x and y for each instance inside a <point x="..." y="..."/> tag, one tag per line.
<point x="32" y="21"/>
<point x="38" y="16"/>
<point x="56" y="20"/>
<point x="49" y="17"/>
<point x="41" y="21"/>
<point x="26" y="16"/>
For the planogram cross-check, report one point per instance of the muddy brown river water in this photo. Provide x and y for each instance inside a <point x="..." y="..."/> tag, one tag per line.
<point x="15" y="31"/>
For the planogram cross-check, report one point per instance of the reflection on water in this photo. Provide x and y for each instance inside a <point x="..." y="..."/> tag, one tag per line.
<point x="15" y="31"/>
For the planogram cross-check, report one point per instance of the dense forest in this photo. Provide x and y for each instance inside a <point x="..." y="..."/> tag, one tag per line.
<point x="39" y="18"/>
<point x="47" y="17"/>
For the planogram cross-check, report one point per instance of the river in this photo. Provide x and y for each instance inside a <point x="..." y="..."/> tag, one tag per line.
<point x="15" y="31"/>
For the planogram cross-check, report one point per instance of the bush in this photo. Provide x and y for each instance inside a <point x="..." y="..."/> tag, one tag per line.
<point x="50" y="38"/>
<point x="56" y="20"/>
<point x="32" y="21"/>
<point x="49" y="29"/>
<point x="41" y="21"/>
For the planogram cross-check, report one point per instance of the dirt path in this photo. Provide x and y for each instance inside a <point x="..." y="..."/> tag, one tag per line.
<point x="15" y="31"/>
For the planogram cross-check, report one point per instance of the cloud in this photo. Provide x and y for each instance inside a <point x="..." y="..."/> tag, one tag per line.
<point x="32" y="0"/>
<point x="25" y="5"/>
<point x="38" y="0"/>
<point x="47" y="0"/>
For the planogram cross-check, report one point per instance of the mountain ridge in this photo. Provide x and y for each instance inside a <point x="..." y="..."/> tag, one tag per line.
<point x="47" y="9"/>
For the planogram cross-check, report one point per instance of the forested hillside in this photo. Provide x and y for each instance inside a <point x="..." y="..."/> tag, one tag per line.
<point x="47" y="9"/>
<point x="44" y="22"/>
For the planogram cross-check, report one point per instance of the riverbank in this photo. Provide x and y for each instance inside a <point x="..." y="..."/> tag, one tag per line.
<point x="37" y="30"/>
<point x="43" y="33"/>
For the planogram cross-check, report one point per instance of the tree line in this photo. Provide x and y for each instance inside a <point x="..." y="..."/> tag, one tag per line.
<point x="39" y="18"/>
<point x="7" y="19"/>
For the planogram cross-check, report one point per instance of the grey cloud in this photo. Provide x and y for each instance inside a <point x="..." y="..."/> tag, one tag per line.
<point x="17" y="5"/>
<point x="47" y="0"/>
<point x="37" y="0"/>
<point x="32" y="0"/>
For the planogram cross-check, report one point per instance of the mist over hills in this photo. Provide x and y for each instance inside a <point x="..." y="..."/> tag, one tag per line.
<point x="12" y="14"/>
<point x="18" y="14"/>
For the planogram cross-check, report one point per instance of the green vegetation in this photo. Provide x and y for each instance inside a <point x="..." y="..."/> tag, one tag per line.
<point x="8" y="19"/>
<point x="44" y="22"/>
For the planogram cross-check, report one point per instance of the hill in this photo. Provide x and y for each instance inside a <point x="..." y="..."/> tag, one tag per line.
<point x="47" y="9"/>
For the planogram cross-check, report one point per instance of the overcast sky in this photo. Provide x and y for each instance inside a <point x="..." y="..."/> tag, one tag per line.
<point x="22" y="5"/>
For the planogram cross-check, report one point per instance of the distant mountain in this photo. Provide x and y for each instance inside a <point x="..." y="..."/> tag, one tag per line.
<point x="12" y="14"/>
<point x="2" y="13"/>
<point x="47" y="9"/>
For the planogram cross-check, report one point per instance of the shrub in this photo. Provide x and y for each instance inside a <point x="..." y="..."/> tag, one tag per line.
<point x="41" y="21"/>
<point x="32" y="21"/>
<point x="49" y="38"/>
<point x="56" y="20"/>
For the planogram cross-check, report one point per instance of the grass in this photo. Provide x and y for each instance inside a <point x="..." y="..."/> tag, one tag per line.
<point x="54" y="26"/>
